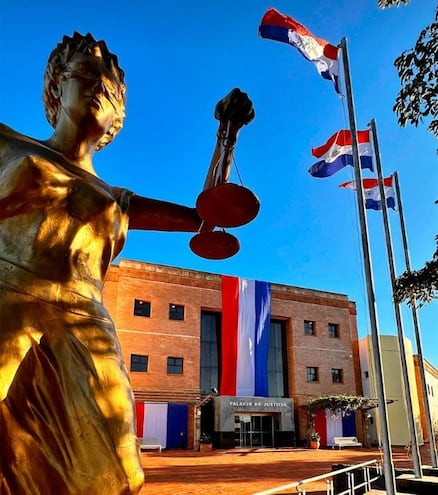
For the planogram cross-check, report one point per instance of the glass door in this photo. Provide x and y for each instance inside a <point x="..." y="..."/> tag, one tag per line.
<point x="267" y="431"/>
<point x="242" y="430"/>
<point x="253" y="430"/>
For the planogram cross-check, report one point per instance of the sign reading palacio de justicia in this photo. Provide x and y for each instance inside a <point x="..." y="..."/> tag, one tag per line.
<point x="257" y="403"/>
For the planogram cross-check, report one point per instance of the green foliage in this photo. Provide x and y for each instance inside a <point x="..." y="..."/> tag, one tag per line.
<point x="315" y="436"/>
<point x="419" y="287"/>
<point x="383" y="4"/>
<point x="346" y="403"/>
<point x="418" y="99"/>
<point x="205" y="438"/>
<point x="418" y="72"/>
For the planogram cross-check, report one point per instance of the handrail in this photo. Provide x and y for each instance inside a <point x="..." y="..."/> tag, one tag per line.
<point x="321" y="477"/>
<point x="297" y="484"/>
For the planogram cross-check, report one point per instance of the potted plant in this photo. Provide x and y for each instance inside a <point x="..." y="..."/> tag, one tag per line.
<point x="314" y="439"/>
<point x="205" y="442"/>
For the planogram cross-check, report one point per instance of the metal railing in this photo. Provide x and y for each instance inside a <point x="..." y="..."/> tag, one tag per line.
<point x="353" y="483"/>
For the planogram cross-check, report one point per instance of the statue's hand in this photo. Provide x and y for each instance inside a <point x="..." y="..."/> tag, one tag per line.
<point x="235" y="107"/>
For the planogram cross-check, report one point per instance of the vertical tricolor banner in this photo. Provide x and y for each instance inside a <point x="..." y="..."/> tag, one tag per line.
<point x="166" y="421"/>
<point x="246" y="311"/>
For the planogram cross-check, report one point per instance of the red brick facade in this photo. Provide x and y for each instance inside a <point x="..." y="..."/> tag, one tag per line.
<point x="431" y="376"/>
<point x="158" y="337"/>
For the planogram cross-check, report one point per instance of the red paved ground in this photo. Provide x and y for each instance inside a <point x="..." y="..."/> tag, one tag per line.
<point x="244" y="472"/>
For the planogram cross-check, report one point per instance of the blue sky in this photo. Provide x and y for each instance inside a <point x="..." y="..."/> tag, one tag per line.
<point x="180" y="58"/>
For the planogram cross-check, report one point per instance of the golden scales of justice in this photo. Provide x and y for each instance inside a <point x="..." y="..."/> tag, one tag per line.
<point x="222" y="204"/>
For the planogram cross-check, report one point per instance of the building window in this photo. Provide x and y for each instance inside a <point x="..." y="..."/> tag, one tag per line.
<point x="312" y="374"/>
<point x="277" y="375"/>
<point x="333" y="330"/>
<point x="336" y="375"/>
<point x="139" y="363"/>
<point x="309" y="327"/>
<point x="176" y="312"/>
<point x="142" y="308"/>
<point x="174" y="366"/>
<point x="210" y="328"/>
<point x="367" y="375"/>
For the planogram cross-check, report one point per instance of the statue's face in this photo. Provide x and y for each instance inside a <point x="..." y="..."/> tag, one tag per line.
<point x="89" y="92"/>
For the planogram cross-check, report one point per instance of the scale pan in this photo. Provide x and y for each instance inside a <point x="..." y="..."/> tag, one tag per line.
<point x="216" y="245"/>
<point x="227" y="205"/>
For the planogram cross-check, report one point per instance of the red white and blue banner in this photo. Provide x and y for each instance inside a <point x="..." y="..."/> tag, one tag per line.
<point x="280" y="27"/>
<point x="337" y="153"/>
<point x="246" y="312"/>
<point x="372" y="192"/>
<point x="330" y="425"/>
<point x="162" y="420"/>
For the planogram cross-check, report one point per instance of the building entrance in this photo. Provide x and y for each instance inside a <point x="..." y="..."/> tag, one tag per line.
<point x="254" y="430"/>
<point x="253" y="422"/>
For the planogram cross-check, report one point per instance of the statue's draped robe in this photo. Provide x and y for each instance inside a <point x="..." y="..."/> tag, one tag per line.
<point x="66" y="405"/>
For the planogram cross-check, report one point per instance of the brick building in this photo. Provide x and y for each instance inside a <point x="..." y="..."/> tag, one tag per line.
<point x="169" y="321"/>
<point x="431" y="376"/>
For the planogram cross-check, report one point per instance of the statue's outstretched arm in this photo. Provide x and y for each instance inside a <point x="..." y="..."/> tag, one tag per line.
<point x="153" y="214"/>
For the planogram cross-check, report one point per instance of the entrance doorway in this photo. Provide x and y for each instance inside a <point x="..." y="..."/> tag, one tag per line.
<point x="254" y="430"/>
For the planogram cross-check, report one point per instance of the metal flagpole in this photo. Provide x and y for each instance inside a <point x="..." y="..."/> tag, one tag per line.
<point x="388" y="465"/>
<point x="398" y="316"/>
<point x="430" y="432"/>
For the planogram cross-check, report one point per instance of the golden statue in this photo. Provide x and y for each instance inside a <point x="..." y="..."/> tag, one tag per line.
<point x="66" y="405"/>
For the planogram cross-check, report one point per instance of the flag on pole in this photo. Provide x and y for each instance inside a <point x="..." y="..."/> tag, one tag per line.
<point x="337" y="153"/>
<point x="246" y="308"/>
<point x="280" y="27"/>
<point x="372" y="192"/>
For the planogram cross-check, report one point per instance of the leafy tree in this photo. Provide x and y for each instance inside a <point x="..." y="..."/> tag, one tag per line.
<point x="418" y="72"/>
<point x="345" y="403"/>
<point x="418" y="99"/>
<point x="419" y="287"/>
<point x="389" y="3"/>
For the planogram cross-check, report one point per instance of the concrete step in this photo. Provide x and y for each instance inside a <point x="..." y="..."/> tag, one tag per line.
<point x="427" y="485"/>
<point x="384" y="492"/>
<point x="429" y="471"/>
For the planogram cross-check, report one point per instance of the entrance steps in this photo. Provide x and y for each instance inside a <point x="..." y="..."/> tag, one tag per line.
<point x="408" y="484"/>
<point x="383" y="492"/>
<point x="427" y="485"/>
<point x="430" y="471"/>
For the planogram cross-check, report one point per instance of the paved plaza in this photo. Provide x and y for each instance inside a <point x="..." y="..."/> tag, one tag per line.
<point x="244" y="472"/>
